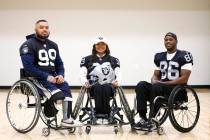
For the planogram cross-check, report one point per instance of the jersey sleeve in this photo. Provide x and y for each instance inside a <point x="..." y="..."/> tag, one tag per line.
<point x="59" y="67"/>
<point x="84" y="62"/>
<point x="186" y="58"/>
<point x="115" y="62"/>
<point x="27" y="57"/>
<point x="26" y="48"/>
<point x="157" y="60"/>
<point x="28" y="64"/>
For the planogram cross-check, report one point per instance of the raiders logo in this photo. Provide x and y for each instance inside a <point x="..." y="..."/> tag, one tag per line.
<point x="105" y="70"/>
<point x="25" y="49"/>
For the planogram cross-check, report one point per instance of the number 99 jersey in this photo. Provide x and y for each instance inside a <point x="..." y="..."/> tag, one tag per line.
<point x="170" y="69"/>
<point x="45" y="53"/>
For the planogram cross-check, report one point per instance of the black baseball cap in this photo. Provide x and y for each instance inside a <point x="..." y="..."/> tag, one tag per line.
<point x="172" y="35"/>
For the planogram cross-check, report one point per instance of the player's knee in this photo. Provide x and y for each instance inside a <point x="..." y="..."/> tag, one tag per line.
<point x="157" y="86"/>
<point x="65" y="87"/>
<point x="140" y="85"/>
<point x="57" y="96"/>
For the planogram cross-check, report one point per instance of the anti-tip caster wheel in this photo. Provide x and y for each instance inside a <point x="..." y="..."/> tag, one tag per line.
<point x="160" y="131"/>
<point x="71" y="130"/>
<point x="46" y="131"/>
<point x="87" y="129"/>
<point x="116" y="129"/>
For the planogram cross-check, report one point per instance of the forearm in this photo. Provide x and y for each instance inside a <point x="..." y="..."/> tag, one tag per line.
<point x="59" y="66"/>
<point x="155" y="79"/>
<point x="28" y="65"/>
<point x="179" y="81"/>
<point x="83" y="75"/>
<point x="118" y="75"/>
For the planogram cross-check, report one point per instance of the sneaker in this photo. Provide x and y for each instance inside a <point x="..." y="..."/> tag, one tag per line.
<point x="105" y="121"/>
<point x="142" y="123"/>
<point x="71" y="123"/>
<point x="99" y="121"/>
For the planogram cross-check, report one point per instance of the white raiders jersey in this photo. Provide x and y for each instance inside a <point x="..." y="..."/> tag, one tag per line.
<point x="100" y="70"/>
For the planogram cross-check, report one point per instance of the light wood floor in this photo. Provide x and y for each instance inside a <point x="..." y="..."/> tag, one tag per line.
<point x="200" y="132"/>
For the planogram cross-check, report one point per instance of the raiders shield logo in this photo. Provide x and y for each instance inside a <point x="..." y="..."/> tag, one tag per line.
<point x="105" y="70"/>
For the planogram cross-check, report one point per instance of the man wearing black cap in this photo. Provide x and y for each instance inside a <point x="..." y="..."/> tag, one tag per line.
<point x="173" y="67"/>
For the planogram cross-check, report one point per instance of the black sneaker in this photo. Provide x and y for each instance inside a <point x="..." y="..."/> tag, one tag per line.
<point x="142" y="123"/>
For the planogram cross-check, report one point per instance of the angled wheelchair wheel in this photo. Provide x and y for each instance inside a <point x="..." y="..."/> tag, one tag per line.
<point x="163" y="115"/>
<point x="79" y="103"/>
<point x="125" y="106"/>
<point x="184" y="108"/>
<point x="23" y="106"/>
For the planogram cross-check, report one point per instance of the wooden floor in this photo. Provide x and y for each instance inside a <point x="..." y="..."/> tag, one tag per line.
<point x="200" y="132"/>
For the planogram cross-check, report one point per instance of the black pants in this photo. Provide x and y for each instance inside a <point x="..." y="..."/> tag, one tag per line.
<point x="147" y="92"/>
<point x="102" y="95"/>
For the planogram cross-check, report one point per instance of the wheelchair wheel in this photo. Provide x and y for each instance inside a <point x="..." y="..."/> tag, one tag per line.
<point x="79" y="102"/>
<point x="23" y="106"/>
<point x="125" y="106"/>
<point x="184" y="108"/>
<point x="163" y="115"/>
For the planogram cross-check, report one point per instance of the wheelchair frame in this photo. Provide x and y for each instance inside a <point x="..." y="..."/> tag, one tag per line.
<point x="29" y="87"/>
<point x="115" y="115"/>
<point x="172" y="105"/>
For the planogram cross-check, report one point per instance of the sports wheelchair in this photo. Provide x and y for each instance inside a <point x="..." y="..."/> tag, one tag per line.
<point x="182" y="107"/>
<point x="88" y="116"/>
<point x="25" y="105"/>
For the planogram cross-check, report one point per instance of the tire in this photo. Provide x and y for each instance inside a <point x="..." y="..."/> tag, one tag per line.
<point x="185" y="108"/>
<point x="17" y="109"/>
<point x="126" y="107"/>
<point x="163" y="117"/>
<point x="79" y="102"/>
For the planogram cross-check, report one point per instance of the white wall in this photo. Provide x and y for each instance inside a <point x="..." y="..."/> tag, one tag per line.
<point x="135" y="30"/>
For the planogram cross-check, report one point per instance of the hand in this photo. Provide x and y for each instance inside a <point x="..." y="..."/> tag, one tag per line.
<point x="87" y="85"/>
<point x="115" y="84"/>
<point x="51" y="79"/>
<point x="59" y="79"/>
<point x="157" y="82"/>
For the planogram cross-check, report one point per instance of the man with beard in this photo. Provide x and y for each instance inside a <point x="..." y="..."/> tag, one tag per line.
<point x="41" y="59"/>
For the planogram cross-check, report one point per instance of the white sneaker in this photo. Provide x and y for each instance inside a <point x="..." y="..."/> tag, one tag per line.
<point x="105" y="121"/>
<point x="71" y="123"/>
<point x="99" y="121"/>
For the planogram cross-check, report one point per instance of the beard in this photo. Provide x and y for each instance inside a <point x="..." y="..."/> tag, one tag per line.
<point x="41" y="36"/>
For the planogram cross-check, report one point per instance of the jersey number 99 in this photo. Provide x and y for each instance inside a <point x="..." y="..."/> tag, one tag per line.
<point x="47" y="57"/>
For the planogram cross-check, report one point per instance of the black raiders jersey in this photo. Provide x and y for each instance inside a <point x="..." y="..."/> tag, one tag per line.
<point x="100" y="69"/>
<point x="171" y="69"/>
<point x="44" y="53"/>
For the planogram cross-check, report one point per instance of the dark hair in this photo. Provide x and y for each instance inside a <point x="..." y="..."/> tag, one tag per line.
<point x="94" y="52"/>
<point x="41" y="20"/>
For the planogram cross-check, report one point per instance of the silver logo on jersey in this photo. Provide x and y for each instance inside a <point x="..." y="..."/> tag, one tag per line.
<point x="106" y="70"/>
<point x="25" y="49"/>
<point x="103" y="73"/>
